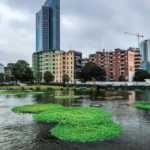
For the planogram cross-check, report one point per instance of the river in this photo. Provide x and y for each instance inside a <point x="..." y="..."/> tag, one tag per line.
<point x="20" y="132"/>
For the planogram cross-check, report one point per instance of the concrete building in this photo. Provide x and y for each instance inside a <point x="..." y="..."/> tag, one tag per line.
<point x="118" y="63"/>
<point x="84" y="61"/>
<point x="8" y="72"/>
<point x="58" y="63"/>
<point x="1" y="68"/>
<point x="138" y="58"/>
<point x="145" y="53"/>
<point x="42" y="62"/>
<point x="48" y="26"/>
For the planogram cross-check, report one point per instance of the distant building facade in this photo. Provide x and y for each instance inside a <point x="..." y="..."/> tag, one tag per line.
<point x="118" y="63"/>
<point x="1" y="68"/>
<point x="8" y="72"/>
<point x="58" y="63"/>
<point x="145" y="53"/>
<point x="48" y="26"/>
<point x="84" y="62"/>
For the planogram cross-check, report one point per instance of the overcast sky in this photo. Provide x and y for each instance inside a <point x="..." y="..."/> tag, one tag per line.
<point x="86" y="25"/>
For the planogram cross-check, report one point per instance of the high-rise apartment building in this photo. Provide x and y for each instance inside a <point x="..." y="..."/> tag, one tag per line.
<point x="68" y="63"/>
<point x="58" y="63"/>
<point x="48" y="26"/>
<point x="145" y="53"/>
<point x="118" y="63"/>
<point x="137" y="56"/>
<point x="42" y="62"/>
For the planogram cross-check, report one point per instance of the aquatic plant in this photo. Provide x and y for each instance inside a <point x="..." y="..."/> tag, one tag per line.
<point x="66" y="97"/>
<point x="79" y="124"/>
<point x="36" y="108"/>
<point x="86" y="133"/>
<point x="142" y="105"/>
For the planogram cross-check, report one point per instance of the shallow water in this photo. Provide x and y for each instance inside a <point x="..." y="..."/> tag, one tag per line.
<point x="20" y="132"/>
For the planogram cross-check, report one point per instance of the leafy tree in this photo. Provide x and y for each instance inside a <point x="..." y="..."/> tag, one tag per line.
<point x="122" y="78"/>
<point x="38" y="77"/>
<point x="22" y="71"/>
<point x="65" y="78"/>
<point x="1" y="77"/>
<point x="48" y="77"/>
<point x="28" y="75"/>
<point x="91" y="71"/>
<point x="141" y="75"/>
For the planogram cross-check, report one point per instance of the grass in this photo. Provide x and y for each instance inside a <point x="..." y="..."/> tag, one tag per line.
<point x="78" y="124"/>
<point x="18" y="92"/>
<point x="36" y="108"/>
<point x="66" y="97"/>
<point x="142" y="105"/>
<point x="86" y="134"/>
<point x="76" y="116"/>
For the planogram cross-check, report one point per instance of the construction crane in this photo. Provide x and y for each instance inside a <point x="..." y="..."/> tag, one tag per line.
<point x="138" y="35"/>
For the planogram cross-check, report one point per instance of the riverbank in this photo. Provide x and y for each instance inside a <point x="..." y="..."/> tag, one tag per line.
<point x="78" y="87"/>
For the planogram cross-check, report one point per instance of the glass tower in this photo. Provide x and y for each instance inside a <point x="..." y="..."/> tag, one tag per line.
<point x="48" y="26"/>
<point x="145" y="53"/>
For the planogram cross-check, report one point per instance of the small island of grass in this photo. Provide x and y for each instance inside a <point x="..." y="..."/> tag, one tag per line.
<point x="142" y="105"/>
<point x="76" y="124"/>
<point x="36" y="108"/>
<point x="66" y="97"/>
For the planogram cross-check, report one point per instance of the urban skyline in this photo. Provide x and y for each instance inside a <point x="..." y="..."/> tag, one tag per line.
<point x="21" y="24"/>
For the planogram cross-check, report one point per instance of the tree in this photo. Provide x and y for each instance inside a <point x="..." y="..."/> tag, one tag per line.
<point x="22" y="71"/>
<point x="29" y="75"/>
<point x="141" y="75"/>
<point x="38" y="77"/>
<point x="91" y="71"/>
<point x="1" y="77"/>
<point x="65" y="78"/>
<point x="48" y="77"/>
<point x="122" y="78"/>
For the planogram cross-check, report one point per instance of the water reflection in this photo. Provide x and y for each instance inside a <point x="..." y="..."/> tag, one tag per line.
<point x="20" y="132"/>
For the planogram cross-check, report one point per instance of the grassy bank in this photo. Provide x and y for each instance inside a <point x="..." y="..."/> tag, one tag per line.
<point x="18" y="92"/>
<point x="75" y="123"/>
<point x="142" y="105"/>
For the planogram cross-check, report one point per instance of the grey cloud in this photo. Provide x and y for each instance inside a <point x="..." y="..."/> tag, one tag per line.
<point x="86" y="25"/>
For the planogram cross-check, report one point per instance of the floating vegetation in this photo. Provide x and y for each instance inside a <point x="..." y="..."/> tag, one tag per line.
<point x="142" y="105"/>
<point x="67" y="97"/>
<point x="78" y="124"/>
<point x="36" y="108"/>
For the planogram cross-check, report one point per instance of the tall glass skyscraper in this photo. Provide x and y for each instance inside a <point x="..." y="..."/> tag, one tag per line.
<point x="145" y="53"/>
<point x="48" y="26"/>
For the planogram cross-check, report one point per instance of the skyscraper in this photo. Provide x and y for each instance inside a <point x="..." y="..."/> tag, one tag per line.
<point x="145" y="53"/>
<point x="48" y="26"/>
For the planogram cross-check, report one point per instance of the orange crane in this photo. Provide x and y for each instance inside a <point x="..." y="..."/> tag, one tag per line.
<point x="138" y="35"/>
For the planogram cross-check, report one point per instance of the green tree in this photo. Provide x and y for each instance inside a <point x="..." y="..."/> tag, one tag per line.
<point x="48" y="77"/>
<point x="122" y="78"/>
<point x="22" y="71"/>
<point x="1" y="77"/>
<point x="141" y="75"/>
<point x="65" y="78"/>
<point x="91" y="71"/>
<point x="38" y="77"/>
